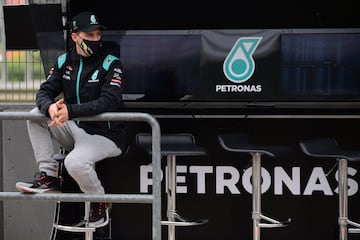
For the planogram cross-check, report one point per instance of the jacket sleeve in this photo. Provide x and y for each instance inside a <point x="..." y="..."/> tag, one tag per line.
<point x="50" y="89"/>
<point x="110" y="99"/>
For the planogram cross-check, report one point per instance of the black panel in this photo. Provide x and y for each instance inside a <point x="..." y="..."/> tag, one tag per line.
<point x="320" y="66"/>
<point x="225" y="14"/>
<point x="33" y="22"/>
<point x="18" y="18"/>
<point x="159" y="67"/>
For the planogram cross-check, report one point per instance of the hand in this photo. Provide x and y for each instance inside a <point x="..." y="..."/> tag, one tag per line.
<point x="58" y="113"/>
<point x="53" y="111"/>
<point x="63" y="114"/>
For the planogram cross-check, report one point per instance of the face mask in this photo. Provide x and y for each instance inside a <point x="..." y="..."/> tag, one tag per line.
<point x="90" y="47"/>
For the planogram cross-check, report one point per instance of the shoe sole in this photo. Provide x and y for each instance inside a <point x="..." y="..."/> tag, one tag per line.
<point x="98" y="223"/>
<point x="34" y="190"/>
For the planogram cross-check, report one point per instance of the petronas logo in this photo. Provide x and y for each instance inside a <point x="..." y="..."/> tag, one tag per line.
<point x="239" y="64"/>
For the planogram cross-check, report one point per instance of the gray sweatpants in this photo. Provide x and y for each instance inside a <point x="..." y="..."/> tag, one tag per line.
<point x="84" y="151"/>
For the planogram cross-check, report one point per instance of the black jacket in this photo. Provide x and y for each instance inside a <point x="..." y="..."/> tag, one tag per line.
<point x="90" y="86"/>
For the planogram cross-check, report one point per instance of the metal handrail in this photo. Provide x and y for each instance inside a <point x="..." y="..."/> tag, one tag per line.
<point x="154" y="198"/>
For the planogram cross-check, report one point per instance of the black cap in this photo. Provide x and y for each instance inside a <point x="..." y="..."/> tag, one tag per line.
<point x="85" y="22"/>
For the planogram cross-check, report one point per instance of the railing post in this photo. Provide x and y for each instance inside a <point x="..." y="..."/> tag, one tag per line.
<point x="156" y="170"/>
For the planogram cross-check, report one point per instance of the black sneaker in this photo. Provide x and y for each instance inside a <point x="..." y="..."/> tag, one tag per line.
<point x="42" y="183"/>
<point x="97" y="214"/>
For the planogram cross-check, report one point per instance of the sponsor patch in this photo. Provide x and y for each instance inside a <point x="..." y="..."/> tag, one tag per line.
<point x="115" y="82"/>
